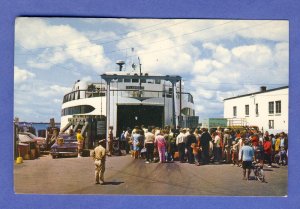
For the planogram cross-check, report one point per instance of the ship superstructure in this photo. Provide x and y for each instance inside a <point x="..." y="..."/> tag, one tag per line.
<point x="131" y="99"/>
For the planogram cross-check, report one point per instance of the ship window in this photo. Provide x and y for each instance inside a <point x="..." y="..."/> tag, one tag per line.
<point x="143" y="80"/>
<point x="127" y="80"/>
<point x="149" y="81"/>
<point x="187" y="111"/>
<point x="120" y="80"/>
<point x="78" y="94"/>
<point x="81" y="109"/>
<point x="157" y="81"/>
<point x="134" y="80"/>
<point x="190" y="98"/>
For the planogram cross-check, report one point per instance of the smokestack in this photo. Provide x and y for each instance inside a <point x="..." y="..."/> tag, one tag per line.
<point x="263" y="88"/>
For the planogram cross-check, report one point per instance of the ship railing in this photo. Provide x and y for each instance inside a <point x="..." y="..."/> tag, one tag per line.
<point x="130" y="93"/>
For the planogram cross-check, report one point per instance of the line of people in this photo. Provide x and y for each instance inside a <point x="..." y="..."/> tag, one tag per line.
<point x="198" y="146"/>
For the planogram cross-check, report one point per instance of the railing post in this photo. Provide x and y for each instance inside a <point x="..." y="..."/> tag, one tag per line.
<point x="107" y="108"/>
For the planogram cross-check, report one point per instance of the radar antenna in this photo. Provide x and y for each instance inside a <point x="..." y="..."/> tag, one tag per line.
<point x="120" y="63"/>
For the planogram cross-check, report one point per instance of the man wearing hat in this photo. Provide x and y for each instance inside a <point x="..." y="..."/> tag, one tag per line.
<point x="98" y="155"/>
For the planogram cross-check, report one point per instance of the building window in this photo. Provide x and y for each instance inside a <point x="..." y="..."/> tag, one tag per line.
<point x="278" y="106"/>
<point x="247" y="110"/>
<point x="271" y="124"/>
<point x="234" y="111"/>
<point x="256" y="110"/>
<point x="271" y="107"/>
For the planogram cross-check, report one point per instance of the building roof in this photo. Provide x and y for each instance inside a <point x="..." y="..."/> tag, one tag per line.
<point x="259" y="92"/>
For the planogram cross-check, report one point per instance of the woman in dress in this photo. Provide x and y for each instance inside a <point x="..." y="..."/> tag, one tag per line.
<point x="161" y="146"/>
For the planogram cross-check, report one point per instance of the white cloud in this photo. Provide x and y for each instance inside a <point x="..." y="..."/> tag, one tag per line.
<point x="253" y="55"/>
<point x="21" y="75"/>
<point x="282" y="54"/>
<point x="57" y="88"/>
<point x="57" y="101"/>
<point x="274" y="30"/>
<point x="206" y="66"/>
<point x="218" y="78"/>
<point x="87" y="79"/>
<point x="58" y="43"/>
<point x="222" y="54"/>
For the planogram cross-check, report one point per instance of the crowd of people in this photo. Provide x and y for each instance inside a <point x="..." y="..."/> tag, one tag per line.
<point x="196" y="146"/>
<point x="202" y="146"/>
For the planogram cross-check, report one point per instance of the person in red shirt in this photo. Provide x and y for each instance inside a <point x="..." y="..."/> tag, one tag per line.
<point x="267" y="151"/>
<point x="254" y="140"/>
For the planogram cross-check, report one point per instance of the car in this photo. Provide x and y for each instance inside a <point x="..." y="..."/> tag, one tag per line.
<point x="41" y="141"/>
<point x="27" y="146"/>
<point x="65" y="146"/>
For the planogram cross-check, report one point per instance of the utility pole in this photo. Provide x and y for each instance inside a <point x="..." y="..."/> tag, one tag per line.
<point x="140" y="84"/>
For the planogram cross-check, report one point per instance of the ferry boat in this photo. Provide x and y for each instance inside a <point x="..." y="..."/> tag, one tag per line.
<point x="127" y="99"/>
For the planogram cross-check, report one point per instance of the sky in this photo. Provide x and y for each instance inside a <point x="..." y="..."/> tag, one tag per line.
<point x="216" y="59"/>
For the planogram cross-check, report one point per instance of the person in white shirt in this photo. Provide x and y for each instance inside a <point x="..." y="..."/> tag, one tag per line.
<point x="149" y="144"/>
<point x="180" y="142"/>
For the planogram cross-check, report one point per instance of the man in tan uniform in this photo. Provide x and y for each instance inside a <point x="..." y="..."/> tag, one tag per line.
<point x="98" y="155"/>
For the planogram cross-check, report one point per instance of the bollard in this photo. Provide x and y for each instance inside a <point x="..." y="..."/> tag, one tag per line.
<point x="19" y="159"/>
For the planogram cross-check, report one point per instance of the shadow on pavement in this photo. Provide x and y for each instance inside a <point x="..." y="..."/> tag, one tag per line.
<point x="113" y="182"/>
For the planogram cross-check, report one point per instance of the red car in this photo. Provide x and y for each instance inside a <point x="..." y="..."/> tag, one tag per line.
<point x="41" y="142"/>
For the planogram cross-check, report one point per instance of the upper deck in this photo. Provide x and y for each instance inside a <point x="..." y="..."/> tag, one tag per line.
<point x="130" y="85"/>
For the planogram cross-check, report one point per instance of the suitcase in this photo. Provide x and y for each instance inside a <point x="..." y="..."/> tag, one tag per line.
<point x="176" y="155"/>
<point x="86" y="153"/>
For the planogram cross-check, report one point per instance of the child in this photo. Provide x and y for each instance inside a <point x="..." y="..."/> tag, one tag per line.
<point x="234" y="153"/>
<point x="259" y="153"/>
<point x="195" y="148"/>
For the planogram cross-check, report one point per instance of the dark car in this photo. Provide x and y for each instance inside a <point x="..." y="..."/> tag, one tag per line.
<point x="64" y="146"/>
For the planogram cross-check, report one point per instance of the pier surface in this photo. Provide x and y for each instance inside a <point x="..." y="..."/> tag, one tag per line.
<point x="124" y="175"/>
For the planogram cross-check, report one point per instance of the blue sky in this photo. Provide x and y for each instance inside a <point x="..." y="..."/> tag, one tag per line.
<point x="216" y="58"/>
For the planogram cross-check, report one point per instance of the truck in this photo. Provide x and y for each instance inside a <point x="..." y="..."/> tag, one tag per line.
<point x="214" y="123"/>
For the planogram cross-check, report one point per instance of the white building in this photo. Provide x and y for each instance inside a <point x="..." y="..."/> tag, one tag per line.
<point x="267" y="109"/>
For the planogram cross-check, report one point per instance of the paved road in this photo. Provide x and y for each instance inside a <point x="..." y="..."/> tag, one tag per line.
<point x="125" y="175"/>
